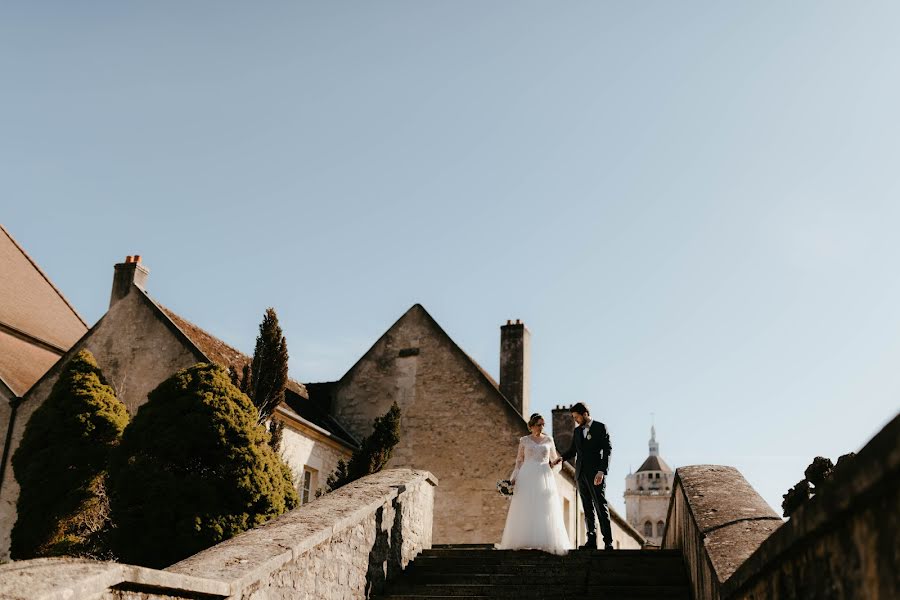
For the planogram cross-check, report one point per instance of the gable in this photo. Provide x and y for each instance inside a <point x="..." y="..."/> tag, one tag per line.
<point x="418" y="313"/>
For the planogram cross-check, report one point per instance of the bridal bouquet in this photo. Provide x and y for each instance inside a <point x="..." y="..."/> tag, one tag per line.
<point x="505" y="487"/>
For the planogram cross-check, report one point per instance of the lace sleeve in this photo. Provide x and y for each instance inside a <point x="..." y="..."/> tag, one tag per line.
<point x="554" y="456"/>
<point x="520" y="460"/>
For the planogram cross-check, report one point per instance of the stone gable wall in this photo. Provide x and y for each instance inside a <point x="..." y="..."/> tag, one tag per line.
<point x="453" y="424"/>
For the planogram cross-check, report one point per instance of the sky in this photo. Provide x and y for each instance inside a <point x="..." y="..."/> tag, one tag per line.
<point x="693" y="206"/>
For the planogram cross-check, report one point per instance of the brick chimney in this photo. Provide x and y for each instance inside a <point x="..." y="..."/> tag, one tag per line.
<point x="563" y="427"/>
<point x="127" y="273"/>
<point x="515" y="365"/>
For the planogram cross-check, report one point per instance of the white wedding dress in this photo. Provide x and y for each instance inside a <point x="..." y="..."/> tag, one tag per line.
<point x="535" y="517"/>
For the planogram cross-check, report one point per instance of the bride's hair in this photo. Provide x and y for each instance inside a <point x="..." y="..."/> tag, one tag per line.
<point x="534" y="419"/>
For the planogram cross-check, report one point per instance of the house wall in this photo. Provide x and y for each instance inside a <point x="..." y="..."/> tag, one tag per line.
<point x="303" y="448"/>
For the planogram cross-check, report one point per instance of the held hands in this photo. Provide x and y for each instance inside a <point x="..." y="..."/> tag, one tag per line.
<point x="598" y="478"/>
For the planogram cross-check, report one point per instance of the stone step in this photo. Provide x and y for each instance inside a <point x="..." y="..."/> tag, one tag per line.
<point x="482" y="572"/>
<point x="605" y="593"/>
<point x="572" y="555"/>
<point x="551" y="578"/>
<point x="539" y="561"/>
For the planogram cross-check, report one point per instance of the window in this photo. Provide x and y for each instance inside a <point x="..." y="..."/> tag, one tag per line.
<point x="648" y="529"/>
<point x="660" y="527"/>
<point x="307" y="485"/>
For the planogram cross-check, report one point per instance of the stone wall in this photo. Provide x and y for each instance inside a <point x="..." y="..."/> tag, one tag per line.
<point x="344" y="545"/>
<point x="717" y="520"/>
<point x="843" y="544"/>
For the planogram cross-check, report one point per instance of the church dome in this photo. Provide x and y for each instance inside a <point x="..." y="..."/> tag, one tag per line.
<point x="655" y="463"/>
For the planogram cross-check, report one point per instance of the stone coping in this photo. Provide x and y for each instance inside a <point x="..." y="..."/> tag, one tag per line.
<point x="878" y="462"/>
<point x="72" y="578"/>
<point x="224" y="569"/>
<point x="729" y="516"/>
<point x="253" y="555"/>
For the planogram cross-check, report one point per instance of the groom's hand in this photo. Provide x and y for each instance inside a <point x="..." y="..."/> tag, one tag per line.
<point x="598" y="478"/>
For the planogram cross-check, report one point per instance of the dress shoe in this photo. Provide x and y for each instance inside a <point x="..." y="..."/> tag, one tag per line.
<point x="590" y="544"/>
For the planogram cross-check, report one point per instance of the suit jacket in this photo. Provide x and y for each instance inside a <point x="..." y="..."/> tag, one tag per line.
<point x="591" y="455"/>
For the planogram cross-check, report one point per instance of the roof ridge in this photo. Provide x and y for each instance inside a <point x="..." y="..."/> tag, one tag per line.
<point x="44" y="275"/>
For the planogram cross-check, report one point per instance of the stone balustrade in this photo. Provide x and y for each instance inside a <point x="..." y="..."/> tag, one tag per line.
<point x="344" y="546"/>
<point x="843" y="544"/>
<point x="717" y="520"/>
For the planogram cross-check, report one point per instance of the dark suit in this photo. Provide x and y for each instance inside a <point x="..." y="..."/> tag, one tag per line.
<point x="592" y="456"/>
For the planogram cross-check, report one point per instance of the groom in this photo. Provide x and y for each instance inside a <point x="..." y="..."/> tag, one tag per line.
<point x="590" y="443"/>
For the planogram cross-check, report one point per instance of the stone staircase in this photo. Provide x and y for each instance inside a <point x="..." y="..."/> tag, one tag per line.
<point x="482" y="572"/>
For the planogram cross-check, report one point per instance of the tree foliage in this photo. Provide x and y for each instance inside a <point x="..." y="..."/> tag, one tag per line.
<point x="269" y="370"/>
<point x="194" y="468"/>
<point x="374" y="452"/>
<point x="61" y="466"/>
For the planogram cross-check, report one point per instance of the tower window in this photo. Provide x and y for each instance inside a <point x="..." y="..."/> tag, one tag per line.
<point x="648" y="529"/>
<point x="660" y="527"/>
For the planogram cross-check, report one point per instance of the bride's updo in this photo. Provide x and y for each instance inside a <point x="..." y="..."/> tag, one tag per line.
<point x="534" y="419"/>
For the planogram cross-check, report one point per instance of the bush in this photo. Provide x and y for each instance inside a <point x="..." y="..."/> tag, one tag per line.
<point x="374" y="451"/>
<point x="194" y="468"/>
<point x="61" y="466"/>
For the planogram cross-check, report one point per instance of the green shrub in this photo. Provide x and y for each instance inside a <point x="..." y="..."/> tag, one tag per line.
<point x="61" y="466"/>
<point x="374" y="451"/>
<point x="194" y="468"/>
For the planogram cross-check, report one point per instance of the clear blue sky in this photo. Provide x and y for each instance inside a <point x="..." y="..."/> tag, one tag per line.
<point x="694" y="206"/>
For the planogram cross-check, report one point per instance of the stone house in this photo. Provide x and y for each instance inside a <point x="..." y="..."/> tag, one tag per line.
<point x="457" y="422"/>
<point x="37" y="327"/>
<point x="138" y="344"/>
<point x="647" y="494"/>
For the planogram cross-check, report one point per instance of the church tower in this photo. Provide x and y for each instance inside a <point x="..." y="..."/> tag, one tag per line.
<point x="647" y="494"/>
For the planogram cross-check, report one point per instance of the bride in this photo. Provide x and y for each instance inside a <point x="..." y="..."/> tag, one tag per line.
<point x="535" y="516"/>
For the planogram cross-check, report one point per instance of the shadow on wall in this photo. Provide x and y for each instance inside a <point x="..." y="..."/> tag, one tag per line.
<point x="385" y="558"/>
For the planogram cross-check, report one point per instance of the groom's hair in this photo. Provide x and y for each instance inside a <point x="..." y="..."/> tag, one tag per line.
<point x="580" y="408"/>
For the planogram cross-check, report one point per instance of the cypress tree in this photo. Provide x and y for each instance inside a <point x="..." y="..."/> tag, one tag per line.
<point x="374" y="452"/>
<point x="194" y="468"/>
<point x="61" y="466"/>
<point x="269" y="370"/>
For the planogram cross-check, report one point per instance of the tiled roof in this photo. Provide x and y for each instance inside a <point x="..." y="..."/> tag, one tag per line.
<point x="218" y="351"/>
<point x="38" y="323"/>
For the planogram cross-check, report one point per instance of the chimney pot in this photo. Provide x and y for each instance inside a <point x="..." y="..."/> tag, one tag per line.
<point x="137" y="258"/>
<point x="127" y="259"/>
